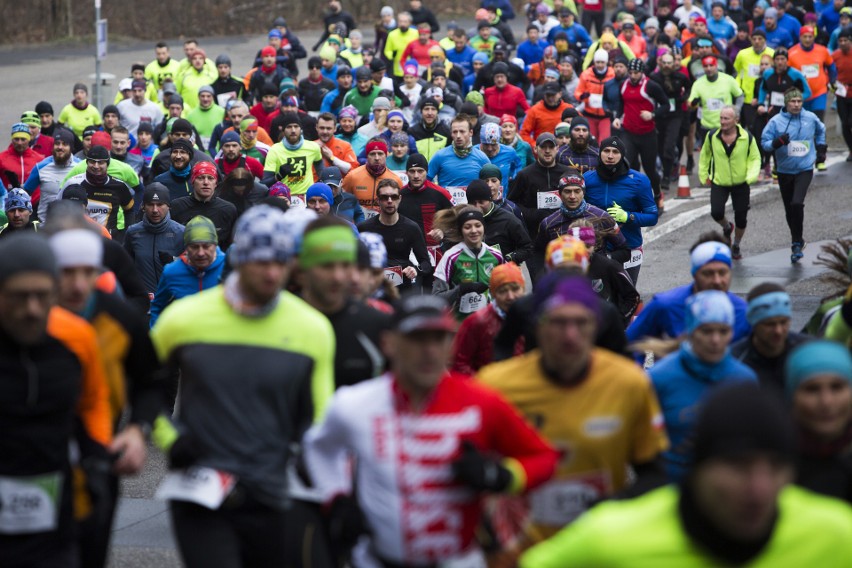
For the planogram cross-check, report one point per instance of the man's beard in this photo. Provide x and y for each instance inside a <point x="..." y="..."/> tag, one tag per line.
<point x="579" y="146"/>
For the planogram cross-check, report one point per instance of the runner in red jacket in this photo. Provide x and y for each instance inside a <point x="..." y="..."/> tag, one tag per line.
<point x="18" y="160"/>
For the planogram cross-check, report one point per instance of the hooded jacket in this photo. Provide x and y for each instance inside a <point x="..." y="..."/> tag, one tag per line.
<point x="149" y="244"/>
<point x="806" y="132"/>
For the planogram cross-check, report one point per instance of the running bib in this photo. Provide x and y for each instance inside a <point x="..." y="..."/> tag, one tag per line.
<point x="201" y="485"/>
<point x="561" y="501"/>
<point x="458" y="193"/>
<point x="776" y="99"/>
<point x="298" y="201"/>
<point x="671" y="105"/>
<point x="433" y="253"/>
<point x="810" y="71"/>
<point x="548" y="200"/>
<point x="369" y="213"/>
<point x="591" y="2"/>
<point x="754" y="71"/>
<point x="403" y="177"/>
<point x="223" y="98"/>
<point x="635" y="258"/>
<point x="393" y="274"/>
<point x="595" y="101"/>
<point x="472" y="302"/>
<point x="30" y="504"/>
<point x="798" y="148"/>
<point x="715" y="104"/>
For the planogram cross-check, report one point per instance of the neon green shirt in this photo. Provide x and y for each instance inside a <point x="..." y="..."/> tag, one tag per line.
<point x="396" y="43"/>
<point x="77" y="120"/>
<point x="646" y="532"/>
<point x="713" y="95"/>
<point x="301" y="160"/>
<point x="747" y="66"/>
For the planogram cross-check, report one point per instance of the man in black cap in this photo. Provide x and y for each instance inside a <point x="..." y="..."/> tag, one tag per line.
<point x="227" y="88"/>
<point x="181" y="129"/>
<point x="345" y="205"/>
<point x="579" y="153"/>
<point x="641" y="102"/>
<point x="52" y="378"/>
<point x="106" y="195"/>
<point x="111" y="117"/>
<point x="177" y="178"/>
<point x="157" y="239"/>
<point x="738" y="505"/>
<point x="45" y="114"/>
<point x="533" y="189"/>
<point x="516" y="75"/>
<point x="364" y="93"/>
<point x="430" y="133"/>
<point x="421" y="200"/>
<point x="502" y="228"/>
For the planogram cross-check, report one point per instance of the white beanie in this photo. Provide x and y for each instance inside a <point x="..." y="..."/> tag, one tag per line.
<point x="602" y="55"/>
<point x="77" y="247"/>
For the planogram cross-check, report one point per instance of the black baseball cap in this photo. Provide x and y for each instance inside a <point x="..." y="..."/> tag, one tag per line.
<point x="416" y="312"/>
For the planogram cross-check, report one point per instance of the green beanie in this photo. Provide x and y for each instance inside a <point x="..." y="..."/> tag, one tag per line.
<point x="475" y="97"/>
<point x="328" y="244"/>
<point x="200" y="230"/>
<point x="490" y="171"/>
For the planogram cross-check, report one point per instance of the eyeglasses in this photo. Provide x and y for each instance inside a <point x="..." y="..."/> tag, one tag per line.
<point x="388" y="197"/>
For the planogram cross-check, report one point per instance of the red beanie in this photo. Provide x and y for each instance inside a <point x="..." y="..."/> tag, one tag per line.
<point x="377" y="145"/>
<point x="101" y="138"/>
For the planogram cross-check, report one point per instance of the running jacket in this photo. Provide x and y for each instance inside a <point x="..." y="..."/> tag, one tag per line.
<point x="417" y="512"/>
<point x="180" y="279"/>
<point x="633" y="193"/>
<point x="250" y="386"/>
<point x="804" y="128"/>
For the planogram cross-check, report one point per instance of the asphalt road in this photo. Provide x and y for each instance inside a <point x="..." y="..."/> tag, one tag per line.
<point x="141" y="534"/>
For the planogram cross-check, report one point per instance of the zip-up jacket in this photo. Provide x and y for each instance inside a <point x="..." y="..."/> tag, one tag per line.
<point x="633" y="193"/>
<point x="223" y="214"/>
<point x="806" y="132"/>
<point x="15" y="167"/>
<point x="729" y="168"/>
<point x="181" y="279"/>
<point x="148" y="243"/>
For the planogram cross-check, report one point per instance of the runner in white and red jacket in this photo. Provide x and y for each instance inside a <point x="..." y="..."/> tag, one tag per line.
<point x="425" y="445"/>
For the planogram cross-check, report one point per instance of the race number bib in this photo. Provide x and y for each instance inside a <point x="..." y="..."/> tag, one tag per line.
<point x="595" y="101"/>
<point x="30" y="504"/>
<point x="776" y="99"/>
<point x="369" y="213"/>
<point x="433" y="253"/>
<point x="798" y="148"/>
<point x="672" y="106"/>
<point x="635" y="258"/>
<point x="592" y="2"/>
<point x="298" y="201"/>
<point x="200" y="485"/>
<point x="548" y="200"/>
<point x="472" y="302"/>
<point x="754" y="71"/>
<point x="403" y="177"/>
<point x="393" y="274"/>
<point x="458" y="193"/>
<point x="562" y="500"/>
<point x="223" y="98"/>
<point x="715" y="104"/>
<point x="810" y="71"/>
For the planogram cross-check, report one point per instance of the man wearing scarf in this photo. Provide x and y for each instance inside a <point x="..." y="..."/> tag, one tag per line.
<point x="626" y="195"/>
<point x="295" y="161"/>
<point x="578" y="153"/>
<point x="157" y="239"/>
<point x="106" y="194"/>
<point x="177" y="178"/>
<point x="363" y="181"/>
<point x="458" y="164"/>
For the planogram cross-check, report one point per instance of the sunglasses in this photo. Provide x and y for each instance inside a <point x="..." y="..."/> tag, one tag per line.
<point x="388" y="197"/>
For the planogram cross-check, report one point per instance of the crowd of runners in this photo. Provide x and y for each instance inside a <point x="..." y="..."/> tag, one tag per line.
<point x="376" y="301"/>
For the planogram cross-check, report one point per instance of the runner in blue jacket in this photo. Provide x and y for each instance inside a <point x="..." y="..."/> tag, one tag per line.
<point x="625" y="194"/>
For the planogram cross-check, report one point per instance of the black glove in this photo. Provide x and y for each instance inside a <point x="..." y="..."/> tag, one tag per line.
<point x="13" y="179"/>
<point x="284" y="171"/>
<point x="346" y="522"/>
<point x="184" y="452"/>
<point x="821" y="153"/>
<point x="782" y="140"/>
<point x="584" y="96"/>
<point x="165" y="258"/>
<point x="480" y="472"/>
<point x="469" y="287"/>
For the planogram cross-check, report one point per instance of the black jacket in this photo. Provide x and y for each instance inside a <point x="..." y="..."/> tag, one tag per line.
<point x="504" y="230"/>
<point x="676" y="86"/>
<point x="770" y="372"/>
<point x="222" y="213"/>
<point x="525" y="187"/>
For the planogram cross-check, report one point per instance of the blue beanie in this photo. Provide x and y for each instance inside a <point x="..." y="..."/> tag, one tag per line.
<point x="771" y="305"/>
<point x="708" y="252"/>
<point x="17" y="198"/>
<point x="480" y="56"/>
<point x="816" y="358"/>
<point x="230" y="136"/>
<point x="320" y="189"/>
<point x="709" y="306"/>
